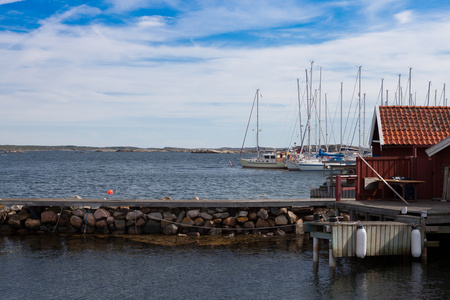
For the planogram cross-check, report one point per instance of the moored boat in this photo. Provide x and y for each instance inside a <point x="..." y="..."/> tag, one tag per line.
<point x="272" y="160"/>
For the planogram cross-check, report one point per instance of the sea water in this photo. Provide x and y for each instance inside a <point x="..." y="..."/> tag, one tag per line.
<point x="90" y="267"/>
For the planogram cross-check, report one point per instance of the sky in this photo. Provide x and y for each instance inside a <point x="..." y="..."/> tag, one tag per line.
<point x="172" y="73"/>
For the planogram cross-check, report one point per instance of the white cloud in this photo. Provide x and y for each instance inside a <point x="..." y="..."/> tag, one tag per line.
<point x="89" y="79"/>
<point x="2" y="2"/>
<point x="404" y="17"/>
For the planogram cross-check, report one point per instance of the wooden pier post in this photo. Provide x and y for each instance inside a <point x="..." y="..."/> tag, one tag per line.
<point x="315" y="250"/>
<point x="332" y="261"/>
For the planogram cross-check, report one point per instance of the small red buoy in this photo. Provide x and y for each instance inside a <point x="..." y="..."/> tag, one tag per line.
<point x="110" y="192"/>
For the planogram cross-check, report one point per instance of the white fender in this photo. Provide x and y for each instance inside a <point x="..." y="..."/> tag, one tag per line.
<point x="416" y="242"/>
<point x="361" y="242"/>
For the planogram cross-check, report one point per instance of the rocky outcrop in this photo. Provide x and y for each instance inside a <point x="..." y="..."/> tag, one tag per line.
<point x="167" y="221"/>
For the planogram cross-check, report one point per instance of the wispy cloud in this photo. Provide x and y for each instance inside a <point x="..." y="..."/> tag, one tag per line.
<point x="159" y="71"/>
<point x="2" y="2"/>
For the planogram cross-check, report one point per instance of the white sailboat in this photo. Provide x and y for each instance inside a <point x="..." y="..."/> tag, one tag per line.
<point x="268" y="160"/>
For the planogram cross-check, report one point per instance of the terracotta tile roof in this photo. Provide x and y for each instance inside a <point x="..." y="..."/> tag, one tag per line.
<point x="414" y="125"/>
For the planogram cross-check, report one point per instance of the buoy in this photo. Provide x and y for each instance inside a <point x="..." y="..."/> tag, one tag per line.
<point x="416" y="243"/>
<point x="110" y="192"/>
<point x="361" y="242"/>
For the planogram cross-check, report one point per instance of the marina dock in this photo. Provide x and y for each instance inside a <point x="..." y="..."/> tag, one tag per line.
<point x="168" y="202"/>
<point x="388" y="223"/>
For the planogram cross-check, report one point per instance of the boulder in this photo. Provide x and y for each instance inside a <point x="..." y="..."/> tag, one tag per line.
<point x="206" y="216"/>
<point x="169" y="216"/>
<point x="181" y="216"/>
<point x="230" y="221"/>
<point x="193" y="213"/>
<point x="249" y="224"/>
<point x="152" y="227"/>
<point x="79" y="212"/>
<point x="242" y="219"/>
<point x="90" y="220"/>
<point x="119" y="215"/>
<point x="110" y="220"/>
<point x="217" y="221"/>
<point x="101" y="223"/>
<point x="64" y="221"/>
<point x="170" y="229"/>
<point x="209" y="224"/>
<point x="252" y="216"/>
<point x="49" y="217"/>
<point x="141" y="222"/>
<point x="221" y="215"/>
<point x="155" y="216"/>
<point x="199" y="221"/>
<point x="33" y="224"/>
<point x="187" y="223"/>
<point x="292" y="218"/>
<point x="263" y="214"/>
<point x="101" y="214"/>
<point x="261" y="223"/>
<point x="14" y="221"/>
<point x="134" y="215"/>
<point x="281" y="220"/>
<point x="242" y="213"/>
<point x="120" y="224"/>
<point x="76" y="221"/>
<point x="23" y="215"/>
<point x="299" y="227"/>
<point x="281" y="211"/>
<point x="145" y="210"/>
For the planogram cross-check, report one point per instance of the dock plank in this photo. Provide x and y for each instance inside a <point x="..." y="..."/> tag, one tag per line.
<point x="167" y="203"/>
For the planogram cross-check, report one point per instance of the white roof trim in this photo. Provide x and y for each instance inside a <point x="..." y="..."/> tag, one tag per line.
<point x="376" y="120"/>
<point x="438" y="147"/>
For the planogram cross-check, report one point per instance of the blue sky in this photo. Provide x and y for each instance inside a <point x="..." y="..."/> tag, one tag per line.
<point x="184" y="73"/>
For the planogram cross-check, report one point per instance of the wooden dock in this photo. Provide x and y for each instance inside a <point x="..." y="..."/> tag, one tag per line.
<point x="429" y="212"/>
<point x="163" y="203"/>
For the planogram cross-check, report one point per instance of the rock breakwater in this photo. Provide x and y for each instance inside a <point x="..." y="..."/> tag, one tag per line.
<point x="164" y="221"/>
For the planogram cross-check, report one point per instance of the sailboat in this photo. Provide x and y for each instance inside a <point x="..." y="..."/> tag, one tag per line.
<point x="268" y="160"/>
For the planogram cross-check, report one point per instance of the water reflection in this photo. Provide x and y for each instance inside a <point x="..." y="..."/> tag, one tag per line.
<point x="94" y="267"/>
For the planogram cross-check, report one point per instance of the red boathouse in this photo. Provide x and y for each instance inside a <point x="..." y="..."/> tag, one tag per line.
<point x="411" y="142"/>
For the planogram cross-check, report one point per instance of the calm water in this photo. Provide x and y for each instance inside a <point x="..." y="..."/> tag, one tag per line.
<point x="145" y="176"/>
<point x="46" y="267"/>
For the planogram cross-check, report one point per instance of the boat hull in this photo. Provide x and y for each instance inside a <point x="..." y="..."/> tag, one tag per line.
<point x="258" y="164"/>
<point x="292" y="166"/>
<point x="310" y="166"/>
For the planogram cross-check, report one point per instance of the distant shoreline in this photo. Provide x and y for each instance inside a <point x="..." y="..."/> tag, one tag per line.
<point x="30" y="148"/>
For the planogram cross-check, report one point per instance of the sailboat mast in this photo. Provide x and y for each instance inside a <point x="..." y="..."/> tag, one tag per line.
<point x="340" y="149"/>
<point x="257" y="122"/>
<point x="444" y="102"/>
<point x="299" y="107"/>
<point x="326" y="124"/>
<point x="309" y="110"/>
<point x="359" y="100"/>
<point x="320" y="106"/>
<point x="410" y="94"/>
